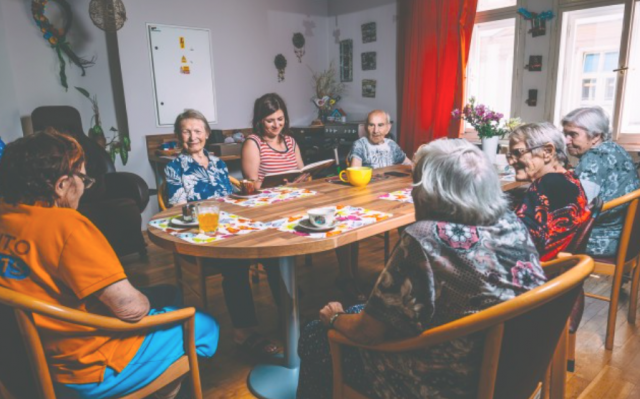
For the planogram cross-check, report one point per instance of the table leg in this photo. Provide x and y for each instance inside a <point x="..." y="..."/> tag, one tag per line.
<point x="268" y="381"/>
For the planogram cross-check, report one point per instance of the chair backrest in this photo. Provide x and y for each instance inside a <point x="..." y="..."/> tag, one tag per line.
<point x="520" y="334"/>
<point x="579" y="243"/>
<point x="15" y="370"/>
<point x="629" y="245"/>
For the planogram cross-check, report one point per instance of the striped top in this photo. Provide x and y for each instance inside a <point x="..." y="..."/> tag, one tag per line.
<point x="274" y="161"/>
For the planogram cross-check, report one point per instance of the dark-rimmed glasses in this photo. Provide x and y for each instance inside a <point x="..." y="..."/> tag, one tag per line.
<point x="86" y="180"/>
<point x="519" y="152"/>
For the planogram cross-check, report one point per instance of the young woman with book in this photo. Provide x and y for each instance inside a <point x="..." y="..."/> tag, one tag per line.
<point x="270" y="150"/>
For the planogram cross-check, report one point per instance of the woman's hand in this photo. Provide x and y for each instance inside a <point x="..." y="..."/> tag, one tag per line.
<point x="302" y="178"/>
<point x="329" y="310"/>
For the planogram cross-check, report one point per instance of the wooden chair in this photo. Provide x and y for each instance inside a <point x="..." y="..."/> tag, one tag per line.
<point x="522" y="335"/>
<point x="22" y="346"/>
<point x="626" y="259"/>
<point x="578" y="246"/>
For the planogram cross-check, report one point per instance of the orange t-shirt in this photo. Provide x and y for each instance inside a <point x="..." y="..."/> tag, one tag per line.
<point x="59" y="256"/>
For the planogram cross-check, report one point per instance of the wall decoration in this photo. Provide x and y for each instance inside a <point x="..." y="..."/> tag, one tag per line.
<point x="108" y="15"/>
<point x="532" y="100"/>
<point x="538" y="21"/>
<point x="57" y="37"/>
<point x="280" y="63"/>
<point x="346" y="60"/>
<point x="298" y="44"/>
<point x="368" y="61"/>
<point x="369" y="32"/>
<point x="120" y="143"/>
<point x="535" y="63"/>
<point x="369" y="88"/>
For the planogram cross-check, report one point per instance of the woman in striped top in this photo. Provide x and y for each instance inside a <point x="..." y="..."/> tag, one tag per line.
<point x="270" y="149"/>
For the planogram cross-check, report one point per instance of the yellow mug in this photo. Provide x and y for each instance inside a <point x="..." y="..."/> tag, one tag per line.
<point x="357" y="177"/>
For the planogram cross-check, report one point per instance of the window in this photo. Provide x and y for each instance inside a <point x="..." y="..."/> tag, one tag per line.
<point x="590" y="46"/>
<point x="599" y="62"/>
<point x="485" y="5"/>
<point x="631" y="102"/>
<point x="495" y="45"/>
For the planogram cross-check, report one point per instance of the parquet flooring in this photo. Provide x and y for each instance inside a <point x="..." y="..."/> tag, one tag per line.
<point x="599" y="373"/>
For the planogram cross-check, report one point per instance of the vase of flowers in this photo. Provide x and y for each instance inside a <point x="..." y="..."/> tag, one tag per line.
<point x="486" y="122"/>
<point x="328" y="91"/>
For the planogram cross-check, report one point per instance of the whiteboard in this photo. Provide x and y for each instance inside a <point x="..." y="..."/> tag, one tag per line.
<point x="182" y="67"/>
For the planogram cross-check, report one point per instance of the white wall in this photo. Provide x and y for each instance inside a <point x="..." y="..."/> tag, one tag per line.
<point x="540" y="45"/>
<point x="9" y="113"/>
<point x="246" y="35"/>
<point x="347" y="17"/>
<point x="34" y="64"/>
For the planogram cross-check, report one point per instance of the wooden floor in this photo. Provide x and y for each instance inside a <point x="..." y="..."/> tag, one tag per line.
<point x="599" y="374"/>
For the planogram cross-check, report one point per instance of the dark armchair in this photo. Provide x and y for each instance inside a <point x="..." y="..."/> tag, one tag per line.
<point x="115" y="202"/>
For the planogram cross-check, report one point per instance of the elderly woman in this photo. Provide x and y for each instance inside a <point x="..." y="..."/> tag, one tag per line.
<point x="555" y="206"/>
<point x="466" y="252"/>
<point x="198" y="175"/>
<point x="65" y="260"/>
<point x="605" y="169"/>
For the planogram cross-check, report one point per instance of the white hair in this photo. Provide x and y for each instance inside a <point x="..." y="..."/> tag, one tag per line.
<point x="379" y="111"/>
<point x="454" y="181"/>
<point x="594" y="120"/>
<point x="537" y="135"/>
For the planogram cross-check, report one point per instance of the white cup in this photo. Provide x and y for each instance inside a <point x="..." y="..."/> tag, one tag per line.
<point x="322" y="217"/>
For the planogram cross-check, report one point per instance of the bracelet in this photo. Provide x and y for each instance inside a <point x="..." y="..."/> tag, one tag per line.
<point x="333" y="319"/>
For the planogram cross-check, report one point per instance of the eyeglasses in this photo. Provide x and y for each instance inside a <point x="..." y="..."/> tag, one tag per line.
<point x="86" y="180"/>
<point x="519" y="152"/>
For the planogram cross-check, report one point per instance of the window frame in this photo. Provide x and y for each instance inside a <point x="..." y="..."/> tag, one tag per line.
<point x="563" y="6"/>
<point x="518" y="53"/>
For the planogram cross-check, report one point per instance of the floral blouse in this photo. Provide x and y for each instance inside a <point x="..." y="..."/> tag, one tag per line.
<point x="440" y="272"/>
<point x="609" y="171"/>
<point x="553" y="209"/>
<point x="188" y="181"/>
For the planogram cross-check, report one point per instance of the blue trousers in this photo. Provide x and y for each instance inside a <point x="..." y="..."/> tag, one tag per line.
<point x="160" y="348"/>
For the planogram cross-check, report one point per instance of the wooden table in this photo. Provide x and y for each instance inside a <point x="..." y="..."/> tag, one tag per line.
<point x="281" y="381"/>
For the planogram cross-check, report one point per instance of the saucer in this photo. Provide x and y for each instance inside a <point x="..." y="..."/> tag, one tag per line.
<point x="242" y="196"/>
<point x="305" y="226"/>
<point x="179" y="222"/>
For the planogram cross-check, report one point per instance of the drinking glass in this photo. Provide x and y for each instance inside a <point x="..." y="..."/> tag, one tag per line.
<point x="208" y="218"/>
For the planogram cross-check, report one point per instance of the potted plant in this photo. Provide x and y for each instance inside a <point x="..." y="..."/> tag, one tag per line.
<point x="120" y="143"/>
<point x="328" y="91"/>
<point x="486" y="122"/>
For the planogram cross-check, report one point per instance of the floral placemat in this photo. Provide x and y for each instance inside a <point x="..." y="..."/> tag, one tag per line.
<point x="402" y="196"/>
<point x="229" y="225"/>
<point x="347" y="218"/>
<point x="270" y="196"/>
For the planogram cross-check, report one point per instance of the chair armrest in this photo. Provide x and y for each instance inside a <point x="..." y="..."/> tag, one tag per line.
<point x="127" y="185"/>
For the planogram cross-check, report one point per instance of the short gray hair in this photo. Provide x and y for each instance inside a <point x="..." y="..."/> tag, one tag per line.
<point x="379" y="111"/>
<point x="190" y="114"/>
<point x="454" y="181"/>
<point x="539" y="134"/>
<point x="594" y="120"/>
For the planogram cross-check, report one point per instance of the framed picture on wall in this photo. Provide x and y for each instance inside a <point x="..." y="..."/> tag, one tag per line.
<point x="368" y="61"/>
<point x="369" y="32"/>
<point x="369" y="88"/>
<point x="346" y="60"/>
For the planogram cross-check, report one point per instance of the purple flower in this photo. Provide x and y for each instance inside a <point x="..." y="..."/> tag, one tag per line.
<point x="480" y="110"/>
<point x="499" y="115"/>
<point x="456" y="113"/>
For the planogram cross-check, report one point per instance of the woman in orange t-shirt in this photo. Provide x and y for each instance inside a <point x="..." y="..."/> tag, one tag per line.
<point x="57" y="255"/>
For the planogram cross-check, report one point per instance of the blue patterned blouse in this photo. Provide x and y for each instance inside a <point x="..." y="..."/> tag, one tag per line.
<point x="607" y="171"/>
<point x="188" y="181"/>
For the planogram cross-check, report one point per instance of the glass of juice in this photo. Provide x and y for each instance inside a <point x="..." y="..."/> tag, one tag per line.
<point x="208" y="217"/>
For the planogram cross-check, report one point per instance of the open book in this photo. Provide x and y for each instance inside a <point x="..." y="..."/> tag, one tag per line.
<point x="277" y="179"/>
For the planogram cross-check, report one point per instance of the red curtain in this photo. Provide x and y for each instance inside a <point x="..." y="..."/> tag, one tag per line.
<point x="433" y="45"/>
